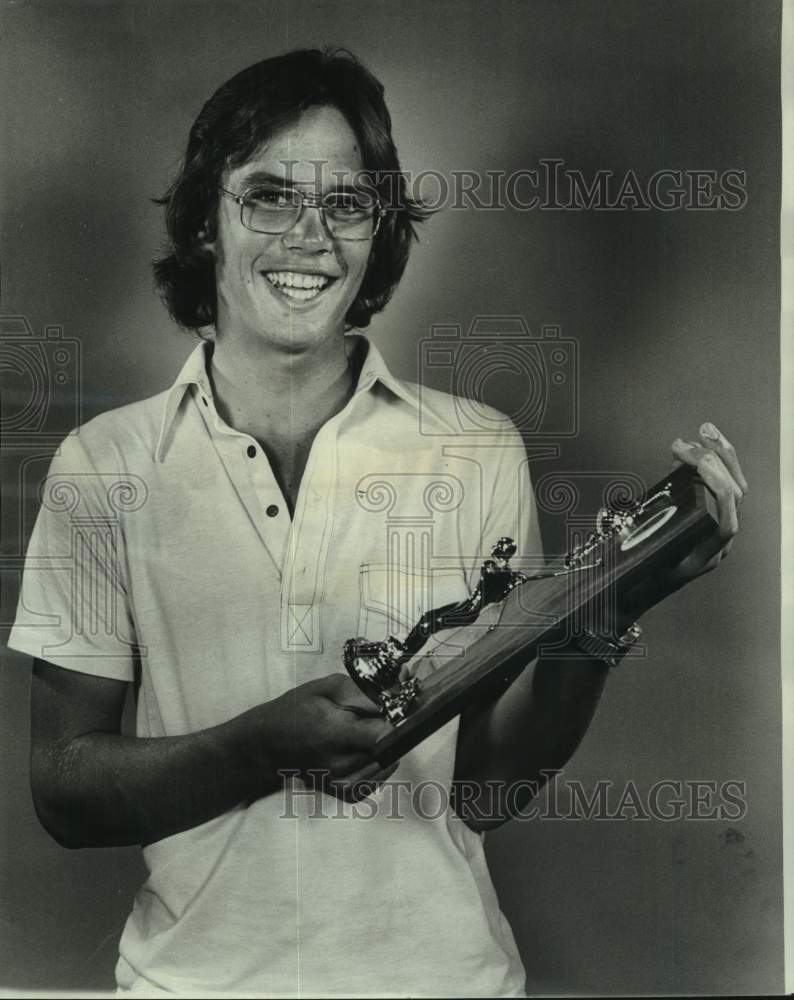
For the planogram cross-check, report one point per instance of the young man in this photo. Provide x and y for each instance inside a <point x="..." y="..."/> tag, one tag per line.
<point x="228" y="535"/>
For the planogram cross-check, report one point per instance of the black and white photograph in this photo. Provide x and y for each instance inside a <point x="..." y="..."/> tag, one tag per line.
<point x="395" y="498"/>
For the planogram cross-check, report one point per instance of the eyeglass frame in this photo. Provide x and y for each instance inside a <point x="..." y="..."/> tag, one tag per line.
<point x="313" y="201"/>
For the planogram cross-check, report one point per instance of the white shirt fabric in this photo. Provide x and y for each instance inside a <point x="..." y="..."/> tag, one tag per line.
<point x="164" y="554"/>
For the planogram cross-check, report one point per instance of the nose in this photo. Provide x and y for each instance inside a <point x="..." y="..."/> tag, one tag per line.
<point x="309" y="231"/>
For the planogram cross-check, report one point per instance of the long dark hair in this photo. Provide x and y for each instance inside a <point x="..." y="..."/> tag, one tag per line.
<point x="238" y="120"/>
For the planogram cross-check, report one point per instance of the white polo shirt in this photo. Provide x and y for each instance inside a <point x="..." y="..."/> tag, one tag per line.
<point x="164" y="554"/>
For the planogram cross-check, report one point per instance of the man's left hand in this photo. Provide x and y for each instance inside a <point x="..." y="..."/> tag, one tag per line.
<point x="715" y="459"/>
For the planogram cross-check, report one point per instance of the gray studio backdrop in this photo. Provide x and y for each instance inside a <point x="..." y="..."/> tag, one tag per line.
<point x="674" y="316"/>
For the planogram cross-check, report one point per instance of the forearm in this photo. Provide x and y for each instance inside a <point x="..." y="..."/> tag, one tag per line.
<point x="507" y="749"/>
<point x="105" y="789"/>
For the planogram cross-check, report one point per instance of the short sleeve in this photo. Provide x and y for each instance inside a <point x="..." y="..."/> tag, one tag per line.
<point x="73" y="609"/>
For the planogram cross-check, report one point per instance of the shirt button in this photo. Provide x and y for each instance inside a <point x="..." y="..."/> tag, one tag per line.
<point x="251" y="451"/>
<point x="272" y="510"/>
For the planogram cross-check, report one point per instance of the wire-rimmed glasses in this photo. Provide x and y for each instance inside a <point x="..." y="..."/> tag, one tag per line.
<point x="270" y="208"/>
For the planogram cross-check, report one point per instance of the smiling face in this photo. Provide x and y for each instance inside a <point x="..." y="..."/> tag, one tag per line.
<point x="290" y="291"/>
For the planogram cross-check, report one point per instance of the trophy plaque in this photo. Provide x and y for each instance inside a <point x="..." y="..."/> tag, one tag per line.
<point x="533" y="613"/>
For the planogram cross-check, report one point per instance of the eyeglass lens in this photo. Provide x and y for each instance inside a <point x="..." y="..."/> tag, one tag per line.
<point x="348" y="214"/>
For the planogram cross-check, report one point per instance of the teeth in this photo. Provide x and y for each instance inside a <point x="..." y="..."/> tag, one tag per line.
<point x="296" y="280"/>
<point x="300" y="293"/>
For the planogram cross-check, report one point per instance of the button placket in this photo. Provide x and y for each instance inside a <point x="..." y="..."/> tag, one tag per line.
<point x="264" y="482"/>
<point x="307" y="548"/>
<point x="250" y="474"/>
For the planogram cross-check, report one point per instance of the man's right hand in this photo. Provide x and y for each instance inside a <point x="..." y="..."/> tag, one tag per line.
<point x="95" y="787"/>
<point x="326" y="729"/>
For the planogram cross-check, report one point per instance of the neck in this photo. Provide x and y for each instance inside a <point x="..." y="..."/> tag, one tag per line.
<point x="272" y="393"/>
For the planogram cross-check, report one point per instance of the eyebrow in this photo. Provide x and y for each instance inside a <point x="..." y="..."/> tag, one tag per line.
<point x="264" y="177"/>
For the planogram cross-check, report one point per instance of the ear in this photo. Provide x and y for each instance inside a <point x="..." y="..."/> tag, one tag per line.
<point x="205" y="242"/>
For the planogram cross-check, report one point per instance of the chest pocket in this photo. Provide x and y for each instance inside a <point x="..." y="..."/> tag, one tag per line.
<point x="393" y="599"/>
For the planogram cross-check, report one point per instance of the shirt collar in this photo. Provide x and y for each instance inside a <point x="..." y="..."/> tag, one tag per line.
<point x="374" y="369"/>
<point x="426" y="403"/>
<point x="194" y="372"/>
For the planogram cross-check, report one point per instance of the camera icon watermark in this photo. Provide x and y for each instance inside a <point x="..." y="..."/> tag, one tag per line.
<point x="500" y="372"/>
<point x="41" y="379"/>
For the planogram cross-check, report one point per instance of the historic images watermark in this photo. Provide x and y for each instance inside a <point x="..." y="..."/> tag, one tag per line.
<point x="549" y="185"/>
<point x="666" y="800"/>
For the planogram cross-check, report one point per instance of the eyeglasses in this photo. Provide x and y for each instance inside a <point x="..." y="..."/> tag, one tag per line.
<point x="347" y="215"/>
